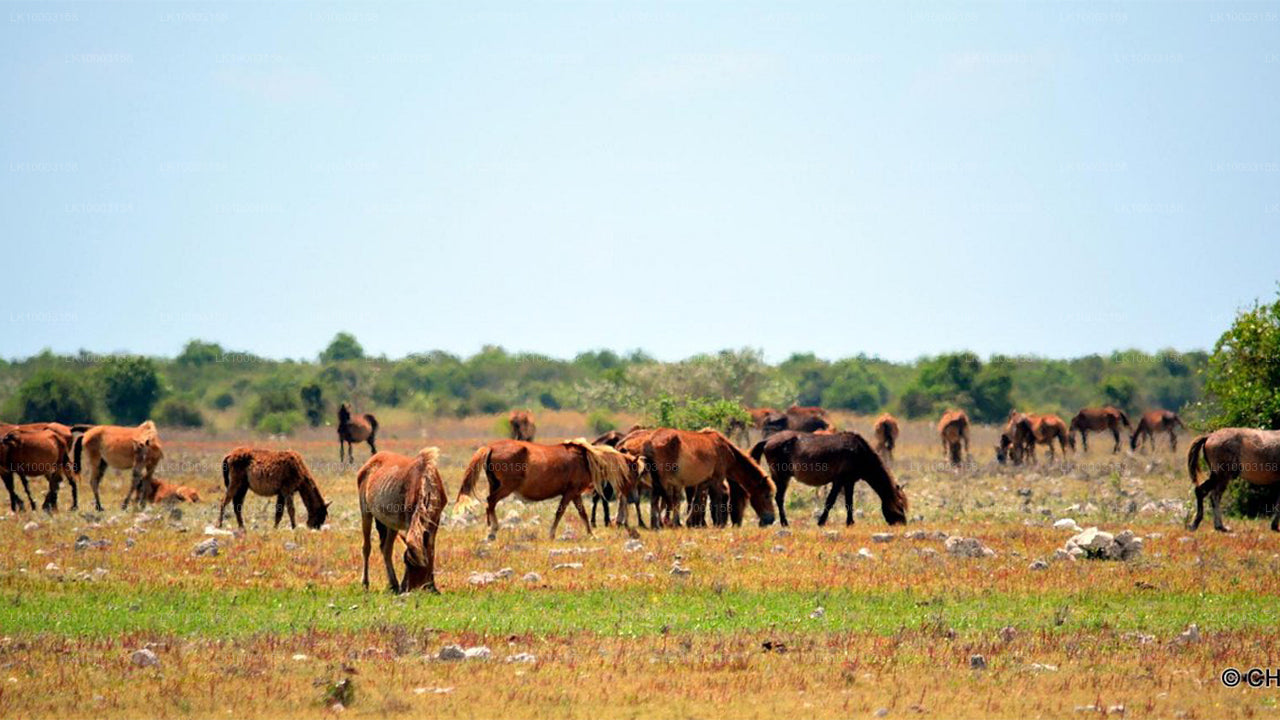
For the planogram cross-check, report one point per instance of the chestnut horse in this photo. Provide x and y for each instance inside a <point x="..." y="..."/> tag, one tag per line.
<point x="1097" y="419"/>
<point x="1016" y="439"/>
<point x="802" y="419"/>
<point x="522" y="425"/>
<point x="1154" y="421"/>
<point x="540" y="472"/>
<point x="406" y="495"/>
<point x="953" y="428"/>
<point x="271" y="472"/>
<point x="683" y="459"/>
<point x="158" y="491"/>
<point x="143" y="480"/>
<point x="1231" y="453"/>
<point x="34" y="453"/>
<point x="354" y="429"/>
<point x="1047" y="428"/>
<point x="886" y="433"/>
<point x="613" y="438"/>
<point x="837" y="459"/>
<point x="113" y="446"/>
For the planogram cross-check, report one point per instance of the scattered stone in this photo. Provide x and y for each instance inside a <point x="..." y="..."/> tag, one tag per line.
<point x="1096" y="544"/>
<point x="779" y="549"/>
<point x="299" y="657"/>
<point x="882" y="712"/>
<point x="650" y="557"/>
<point x="523" y="657"/>
<point x="678" y="569"/>
<point x="32" y="525"/>
<point x="831" y="534"/>
<point x="480" y="652"/>
<point x="977" y="662"/>
<point x="925" y="535"/>
<point x="1038" y="667"/>
<point x="866" y="554"/>
<point x="129" y="542"/>
<point x="217" y="531"/>
<point x="968" y="547"/>
<point x="567" y="566"/>
<point x="1038" y="565"/>
<point x="451" y="652"/>
<point x="504" y="573"/>
<point x="1008" y="633"/>
<point x="206" y="548"/>
<point x="882" y="537"/>
<point x="82" y="543"/>
<point x="144" y="658"/>
<point x="782" y="533"/>
<point x="1190" y="635"/>
<point x="290" y="546"/>
<point x="532" y="577"/>
<point x="818" y="613"/>
<point x="52" y="567"/>
<point x="1066" y="523"/>
<point x="632" y="546"/>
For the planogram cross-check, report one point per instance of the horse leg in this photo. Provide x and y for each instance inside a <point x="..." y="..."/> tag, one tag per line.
<point x="1173" y="440"/>
<point x="15" y="502"/>
<point x="830" y="502"/>
<point x="635" y="500"/>
<point x="780" y="498"/>
<point x="564" y="503"/>
<point x="366" y="526"/>
<point x="279" y="509"/>
<point x="1116" y="433"/>
<point x="848" y="502"/>
<point x="75" y="491"/>
<point x="1201" y="490"/>
<point x="1215" y="498"/>
<point x="607" y="520"/>
<point x="429" y="545"/>
<point x="654" y="521"/>
<point x="95" y="478"/>
<point x="27" y="487"/>
<point x="339" y="449"/>
<point x="237" y="503"/>
<point x="387" y="543"/>
<point x="288" y="505"/>
<point x="373" y="449"/>
<point x="51" y="498"/>
<point x="595" y="502"/>
<point x="582" y="512"/>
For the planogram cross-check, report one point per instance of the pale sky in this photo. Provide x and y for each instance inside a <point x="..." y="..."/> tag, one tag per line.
<point x="892" y="178"/>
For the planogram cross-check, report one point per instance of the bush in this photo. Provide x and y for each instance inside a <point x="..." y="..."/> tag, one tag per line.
<point x="343" y="347"/>
<point x="273" y="398"/>
<point x="179" y="412"/>
<point x="312" y="396"/>
<point x="695" y="413"/>
<point x="601" y="422"/>
<point x="223" y="400"/>
<point x="52" y="395"/>
<point x="130" y="388"/>
<point x="1244" y="499"/>
<point x="280" y="423"/>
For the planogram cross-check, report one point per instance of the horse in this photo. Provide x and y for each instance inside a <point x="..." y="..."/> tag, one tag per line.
<point x="683" y="459"/>
<point x="113" y="446"/>
<point x="354" y="429"/>
<point x="1016" y="439"/>
<point x="142" y="480"/>
<point x="886" y="434"/>
<point x="1154" y="421"/>
<point x="540" y="472"/>
<point x="953" y="428"/>
<point x="1047" y="428"/>
<point x="839" y="460"/>
<point x="406" y="495"/>
<point x="612" y="438"/>
<point x="1230" y="453"/>
<point x="35" y="453"/>
<point x="802" y="419"/>
<point x="271" y="472"/>
<point x="522" y="425"/>
<point x="1097" y="419"/>
<point x="158" y="491"/>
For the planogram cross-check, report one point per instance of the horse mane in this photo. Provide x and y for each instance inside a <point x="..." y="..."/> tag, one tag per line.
<point x="426" y="516"/>
<point x="606" y="465"/>
<point x="739" y="460"/>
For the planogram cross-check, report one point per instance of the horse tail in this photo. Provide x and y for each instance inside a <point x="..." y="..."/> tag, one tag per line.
<point x="890" y="437"/>
<point x="479" y="462"/>
<point x="605" y="466"/>
<point x="373" y="424"/>
<point x="1193" y="458"/>
<point x="226" y="471"/>
<point x="757" y="451"/>
<point x="81" y="427"/>
<point x="1123" y="418"/>
<point x="75" y="453"/>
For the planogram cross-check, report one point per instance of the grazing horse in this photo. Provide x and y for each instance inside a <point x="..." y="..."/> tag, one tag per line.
<point x="886" y="433"/>
<point x="354" y="429"/>
<point x="1097" y="419"/>
<point x="1047" y="428"/>
<point x="406" y="495"/>
<point x="1154" y="421"/>
<point x="953" y="428"/>
<point x="839" y="459"/>
<point x="802" y="419"/>
<point x="113" y="446"/>
<point x="1017" y="440"/>
<point x="522" y="425"/>
<point x="1230" y="453"/>
<point x="271" y="472"/>
<point x="540" y="472"/>
<point x="683" y="459"/>
<point x="612" y="439"/>
<point x="34" y="453"/>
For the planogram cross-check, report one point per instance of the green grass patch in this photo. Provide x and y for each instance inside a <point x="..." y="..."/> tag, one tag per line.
<point x="106" y="610"/>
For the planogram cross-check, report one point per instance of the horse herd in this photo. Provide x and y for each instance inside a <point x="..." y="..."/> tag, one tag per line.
<point x="404" y="496"/>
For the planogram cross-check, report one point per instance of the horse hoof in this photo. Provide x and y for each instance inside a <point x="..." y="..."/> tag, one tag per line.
<point x="1222" y="528"/>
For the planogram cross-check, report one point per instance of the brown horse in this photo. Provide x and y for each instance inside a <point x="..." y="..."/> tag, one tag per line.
<point x="159" y="491"/>
<point x="34" y="453"/>
<point x="1017" y="440"/>
<point x="613" y="438"/>
<point x="1154" y="421"/>
<point x="683" y="459"/>
<point x="271" y="472"/>
<point x="522" y="425"/>
<point x="839" y="459"/>
<point x="886" y="433"/>
<point x="1047" y="428"/>
<point x="142" y="482"/>
<point x="1098" y="419"/>
<point x="801" y="419"/>
<point x="354" y="429"/>
<point x="113" y="446"/>
<point x="1231" y="453"/>
<point x="540" y="472"/>
<point x="953" y="428"/>
<point x="406" y="495"/>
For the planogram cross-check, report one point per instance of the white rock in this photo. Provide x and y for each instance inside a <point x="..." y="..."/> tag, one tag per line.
<point x="678" y="569"/>
<point x="1066" y="524"/>
<point x="532" y="577"/>
<point x="217" y="531"/>
<point x="882" y="537"/>
<point x="977" y="662"/>
<point x="206" y="548"/>
<point x="504" y="573"/>
<point x="632" y="546"/>
<point x="818" y="613"/>
<point x="480" y="652"/>
<point x="1039" y="565"/>
<point x="1190" y="635"/>
<point x="523" y="657"/>
<point x="32" y="525"/>
<point x="866" y="554"/>
<point x="566" y="566"/>
<point x="144" y="658"/>
<point x="968" y="547"/>
<point x="299" y="657"/>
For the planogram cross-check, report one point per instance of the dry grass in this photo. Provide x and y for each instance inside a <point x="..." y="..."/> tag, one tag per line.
<point x="621" y="636"/>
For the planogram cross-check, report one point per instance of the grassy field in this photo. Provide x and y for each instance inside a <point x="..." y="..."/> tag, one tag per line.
<point x="821" y="622"/>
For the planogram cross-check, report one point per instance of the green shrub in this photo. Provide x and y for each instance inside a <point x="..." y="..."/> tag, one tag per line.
<point x="601" y="422"/>
<point x="692" y="413"/>
<point x="130" y="388"/>
<point x="179" y="412"/>
<point x="312" y="396"/>
<point x="280" y="423"/>
<point x="53" y="395"/>
<point x="223" y="400"/>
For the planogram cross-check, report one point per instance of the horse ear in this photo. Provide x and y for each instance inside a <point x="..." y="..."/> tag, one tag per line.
<point x="326" y="505"/>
